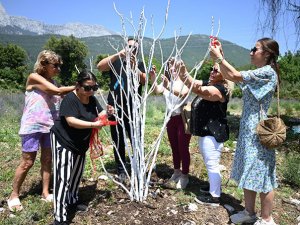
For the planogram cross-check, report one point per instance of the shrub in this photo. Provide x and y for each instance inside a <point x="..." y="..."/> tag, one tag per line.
<point x="237" y="92"/>
<point x="291" y="169"/>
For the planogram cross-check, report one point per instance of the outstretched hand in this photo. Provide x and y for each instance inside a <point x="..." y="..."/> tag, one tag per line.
<point x="152" y="73"/>
<point x="166" y="81"/>
<point x="122" y="53"/>
<point x="179" y="67"/>
<point x="214" y="41"/>
<point x="102" y="119"/>
<point x="216" y="50"/>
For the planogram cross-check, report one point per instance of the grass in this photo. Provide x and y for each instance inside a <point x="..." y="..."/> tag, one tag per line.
<point x="38" y="212"/>
<point x="291" y="168"/>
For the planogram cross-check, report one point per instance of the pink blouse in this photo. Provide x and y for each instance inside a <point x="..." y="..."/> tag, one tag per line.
<point x="39" y="112"/>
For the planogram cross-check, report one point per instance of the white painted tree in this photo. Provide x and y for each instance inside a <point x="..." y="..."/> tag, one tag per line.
<point x="142" y="157"/>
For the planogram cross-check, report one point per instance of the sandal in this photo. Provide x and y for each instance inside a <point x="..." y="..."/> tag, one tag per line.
<point x="14" y="205"/>
<point x="49" y="198"/>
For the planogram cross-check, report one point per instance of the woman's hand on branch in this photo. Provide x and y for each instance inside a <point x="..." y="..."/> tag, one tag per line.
<point x="132" y="61"/>
<point x="216" y="50"/>
<point x="152" y="73"/>
<point x="122" y="53"/>
<point x="180" y="69"/>
<point x="165" y="81"/>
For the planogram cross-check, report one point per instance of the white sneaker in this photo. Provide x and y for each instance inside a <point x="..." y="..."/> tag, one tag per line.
<point x="263" y="222"/>
<point x="175" y="177"/>
<point x="182" y="182"/>
<point x="243" y="217"/>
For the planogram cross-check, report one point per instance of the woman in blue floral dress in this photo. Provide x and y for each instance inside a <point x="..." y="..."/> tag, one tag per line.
<point x="254" y="165"/>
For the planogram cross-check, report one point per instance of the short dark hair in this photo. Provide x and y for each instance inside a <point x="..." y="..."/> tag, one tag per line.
<point x="85" y="75"/>
<point x="132" y="39"/>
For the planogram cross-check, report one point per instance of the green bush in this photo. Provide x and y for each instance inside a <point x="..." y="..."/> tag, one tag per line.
<point x="291" y="169"/>
<point x="237" y="92"/>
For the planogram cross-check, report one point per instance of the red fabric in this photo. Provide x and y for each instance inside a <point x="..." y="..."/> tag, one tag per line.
<point x="213" y="41"/>
<point x="96" y="147"/>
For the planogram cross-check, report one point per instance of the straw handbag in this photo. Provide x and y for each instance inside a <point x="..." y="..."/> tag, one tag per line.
<point x="271" y="131"/>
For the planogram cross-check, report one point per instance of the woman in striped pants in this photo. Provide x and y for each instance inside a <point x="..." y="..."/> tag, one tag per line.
<point x="70" y="138"/>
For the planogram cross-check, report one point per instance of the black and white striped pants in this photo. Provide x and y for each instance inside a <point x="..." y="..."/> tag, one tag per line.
<point x="67" y="170"/>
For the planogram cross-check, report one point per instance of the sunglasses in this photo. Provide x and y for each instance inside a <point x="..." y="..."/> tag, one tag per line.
<point x="254" y="49"/>
<point x="55" y="65"/>
<point x="89" y="87"/>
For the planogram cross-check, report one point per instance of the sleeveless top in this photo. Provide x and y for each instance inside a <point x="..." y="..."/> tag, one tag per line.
<point x="172" y="100"/>
<point x="40" y="111"/>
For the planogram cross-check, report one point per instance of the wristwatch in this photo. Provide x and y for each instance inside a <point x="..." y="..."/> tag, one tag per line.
<point x="219" y="60"/>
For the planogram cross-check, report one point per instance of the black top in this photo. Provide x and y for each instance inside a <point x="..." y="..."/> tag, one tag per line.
<point x="208" y="118"/>
<point x="116" y="86"/>
<point x="73" y="139"/>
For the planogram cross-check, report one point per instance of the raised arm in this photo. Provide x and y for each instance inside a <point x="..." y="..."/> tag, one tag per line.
<point x="186" y="78"/>
<point x="209" y="93"/>
<point x="103" y="65"/>
<point x="158" y="88"/>
<point x="227" y="70"/>
<point x="36" y="81"/>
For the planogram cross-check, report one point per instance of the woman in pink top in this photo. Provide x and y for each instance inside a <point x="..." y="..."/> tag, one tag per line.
<point x="42" y="100"/>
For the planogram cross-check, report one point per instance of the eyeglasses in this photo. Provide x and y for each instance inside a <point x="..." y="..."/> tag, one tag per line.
<point x="254" y="49"/>
<point x="89" y="87"/>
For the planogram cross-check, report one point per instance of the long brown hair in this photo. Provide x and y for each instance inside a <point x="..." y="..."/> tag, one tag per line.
<point x="271" y="46"/>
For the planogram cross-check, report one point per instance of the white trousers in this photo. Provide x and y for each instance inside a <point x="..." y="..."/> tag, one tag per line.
<point x="211" y="150"/>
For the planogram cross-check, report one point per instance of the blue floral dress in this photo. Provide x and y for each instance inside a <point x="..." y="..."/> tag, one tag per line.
<point x="254" y="165"/>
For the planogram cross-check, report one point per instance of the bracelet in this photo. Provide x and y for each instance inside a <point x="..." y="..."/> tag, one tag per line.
<point x="219" y="60"/>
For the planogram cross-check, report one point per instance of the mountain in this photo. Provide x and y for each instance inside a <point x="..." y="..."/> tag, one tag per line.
<point x="24" y="26"/>
<point x="32" y="36"/>
<point x="193" y="52"/>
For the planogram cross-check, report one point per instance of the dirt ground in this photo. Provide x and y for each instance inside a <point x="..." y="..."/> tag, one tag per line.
<point x="170" y="206"/>
<point x="109" y="204"/>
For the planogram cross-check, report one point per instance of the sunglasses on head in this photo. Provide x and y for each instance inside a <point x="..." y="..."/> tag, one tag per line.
<point x="254" y="49"/>
<point x="89" y="87"/>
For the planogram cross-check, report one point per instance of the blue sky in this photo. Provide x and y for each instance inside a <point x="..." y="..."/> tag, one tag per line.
<point x="238" y="18"/>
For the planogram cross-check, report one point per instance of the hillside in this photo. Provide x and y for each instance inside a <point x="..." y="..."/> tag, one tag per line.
<point x="32" y="35"/>
<point x="193" y="52"/>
